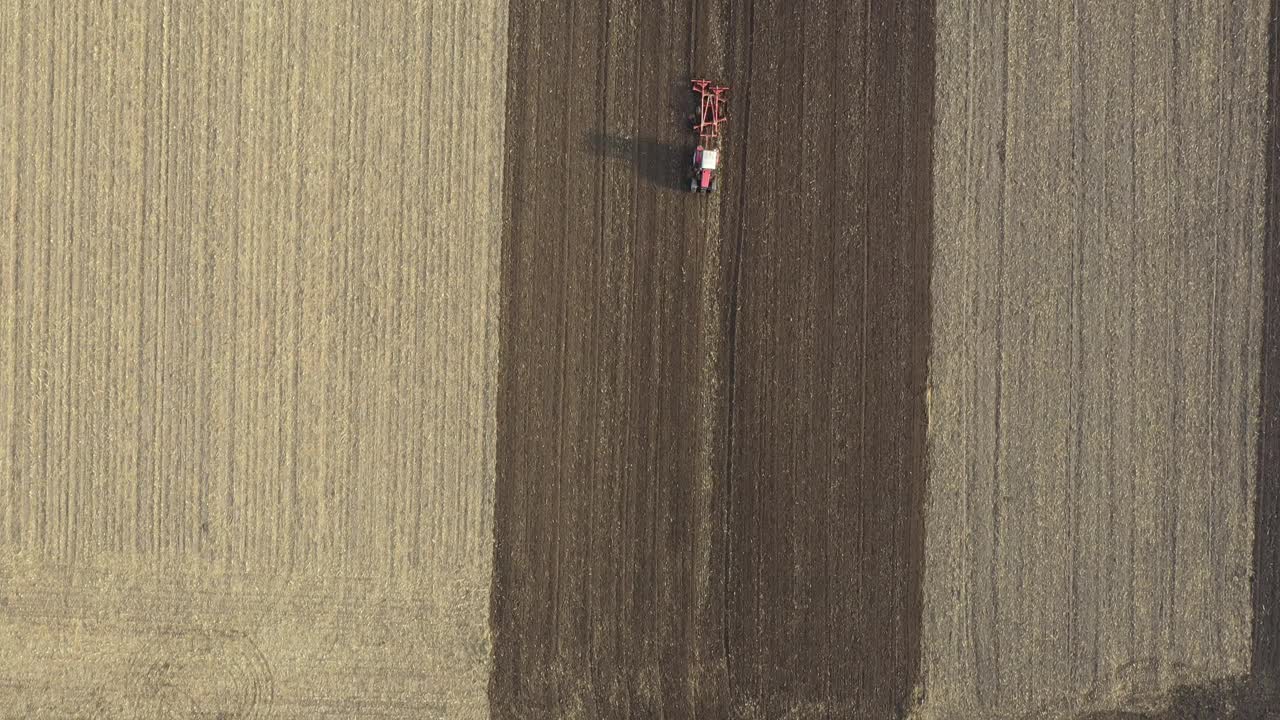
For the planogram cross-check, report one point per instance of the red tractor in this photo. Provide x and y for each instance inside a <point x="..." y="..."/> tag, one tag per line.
<point x="707" y="123"/>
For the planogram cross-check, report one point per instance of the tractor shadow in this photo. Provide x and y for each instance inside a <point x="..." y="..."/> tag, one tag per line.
<point x="664" y="165"/>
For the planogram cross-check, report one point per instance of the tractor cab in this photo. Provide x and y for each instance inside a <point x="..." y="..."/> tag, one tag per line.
<point x="704" y="170"/>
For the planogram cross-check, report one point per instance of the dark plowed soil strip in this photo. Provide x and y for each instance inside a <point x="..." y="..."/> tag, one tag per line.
<point x="711" y="410"/>
<point x="605" y="338"/>
<point x="1266" y="552"/>
<point x="827" y="406"/>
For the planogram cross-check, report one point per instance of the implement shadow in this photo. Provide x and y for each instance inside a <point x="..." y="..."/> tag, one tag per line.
<point x="657" y="163"/>
<point x="665" y="165"/>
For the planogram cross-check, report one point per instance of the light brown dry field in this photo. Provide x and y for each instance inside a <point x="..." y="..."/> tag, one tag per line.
<point x="1097" y="304"/>
<point x="248" y="357"/>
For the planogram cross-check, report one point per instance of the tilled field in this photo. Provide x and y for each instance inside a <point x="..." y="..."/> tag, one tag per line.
<point x="712" y="410"/>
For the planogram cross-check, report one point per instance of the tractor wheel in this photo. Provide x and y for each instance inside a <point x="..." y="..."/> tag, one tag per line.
<point x="693" y="184"/>
<point x="712" y="187"/>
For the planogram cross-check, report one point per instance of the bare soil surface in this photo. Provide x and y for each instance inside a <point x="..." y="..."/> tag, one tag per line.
<point x="1097" y="297"/>
<point x="711" y="410"/>
<point x="248" y="308"/>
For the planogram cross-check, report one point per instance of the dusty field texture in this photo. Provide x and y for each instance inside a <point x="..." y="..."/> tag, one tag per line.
<point x="247" y="375"/>
<point x="1097" y="308"/>
<point x="711" y="409"/>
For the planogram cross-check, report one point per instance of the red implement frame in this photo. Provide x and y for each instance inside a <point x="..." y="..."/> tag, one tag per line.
<point x="710" y="113"/>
